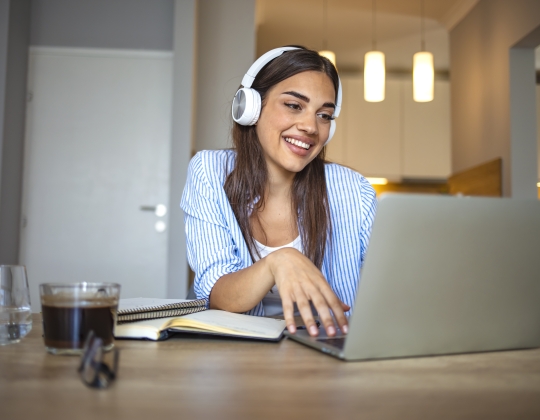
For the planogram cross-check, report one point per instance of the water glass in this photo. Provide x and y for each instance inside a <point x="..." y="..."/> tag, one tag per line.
<point x="15" y="313"/>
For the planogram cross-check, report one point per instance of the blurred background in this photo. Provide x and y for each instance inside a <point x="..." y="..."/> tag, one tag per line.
<point x="103" y="103"/>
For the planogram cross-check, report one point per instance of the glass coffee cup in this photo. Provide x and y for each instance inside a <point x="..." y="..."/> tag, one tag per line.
<point x="71" y="310"/>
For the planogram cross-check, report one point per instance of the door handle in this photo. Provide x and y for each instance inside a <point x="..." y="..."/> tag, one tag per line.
<point x="159" y="210"/>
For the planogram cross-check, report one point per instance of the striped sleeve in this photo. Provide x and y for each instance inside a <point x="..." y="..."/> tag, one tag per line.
<point x="211" y="250"/>
<point x="368" y="209"/>
<point x="353" y="205"/>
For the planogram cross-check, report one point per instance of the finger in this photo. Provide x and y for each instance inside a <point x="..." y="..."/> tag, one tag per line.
<point x="305" y="311"/>
<point x="337" y="309"/>
<point x="324" y="313"/>
<point x="288" y="313"/>
<point x="334" y="303"/>
<point x="339" y="315"/>
<point x="346" y="308"/>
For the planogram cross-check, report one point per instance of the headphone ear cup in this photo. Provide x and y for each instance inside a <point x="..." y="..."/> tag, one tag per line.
<point x="332" y="131"/>
<point x="246" y="106"/>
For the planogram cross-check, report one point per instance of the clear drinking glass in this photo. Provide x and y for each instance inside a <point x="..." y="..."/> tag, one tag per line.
<point x="15" y="313"/>
<point x="71" y="310"/>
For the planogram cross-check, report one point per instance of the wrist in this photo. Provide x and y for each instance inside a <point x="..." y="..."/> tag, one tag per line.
<point x="268" y="262"/>
<point x="276" y="259"/>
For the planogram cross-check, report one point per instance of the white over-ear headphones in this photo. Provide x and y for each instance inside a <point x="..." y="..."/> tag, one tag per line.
<point x="246" y="105"/>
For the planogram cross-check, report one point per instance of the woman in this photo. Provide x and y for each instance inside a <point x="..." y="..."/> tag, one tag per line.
<point x="270" y="223"/>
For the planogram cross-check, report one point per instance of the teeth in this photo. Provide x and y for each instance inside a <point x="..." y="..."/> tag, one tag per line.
<point x="297" y="143"/>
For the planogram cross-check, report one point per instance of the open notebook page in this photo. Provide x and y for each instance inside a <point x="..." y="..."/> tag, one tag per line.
<point x="215" y="321"/>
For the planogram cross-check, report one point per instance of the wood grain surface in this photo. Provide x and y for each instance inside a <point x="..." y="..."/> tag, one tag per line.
<point x="212" y="378"/>
<point x="481" y="180"/>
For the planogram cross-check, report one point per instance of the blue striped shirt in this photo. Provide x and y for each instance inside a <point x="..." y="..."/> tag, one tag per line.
<point x="216" y="247"/>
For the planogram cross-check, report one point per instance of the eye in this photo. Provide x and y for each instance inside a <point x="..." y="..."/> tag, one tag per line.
<point x="325" y="116"/>
<point x="293" y="105"/>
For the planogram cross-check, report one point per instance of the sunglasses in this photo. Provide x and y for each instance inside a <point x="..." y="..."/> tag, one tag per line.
<point x="93" y="370"/>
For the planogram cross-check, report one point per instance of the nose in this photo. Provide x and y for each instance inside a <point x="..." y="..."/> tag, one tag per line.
<point x="307" y="123"/>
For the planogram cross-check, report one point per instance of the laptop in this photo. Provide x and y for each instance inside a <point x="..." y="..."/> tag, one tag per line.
<point x="444" y="275"/>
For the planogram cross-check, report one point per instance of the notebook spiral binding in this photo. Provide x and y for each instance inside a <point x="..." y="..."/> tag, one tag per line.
<point x="162" y="311"/>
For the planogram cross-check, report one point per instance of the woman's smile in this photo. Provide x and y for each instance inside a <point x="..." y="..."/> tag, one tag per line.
<point x="299" y="145"/>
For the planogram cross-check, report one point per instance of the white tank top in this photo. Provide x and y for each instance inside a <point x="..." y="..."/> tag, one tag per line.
<point x="272" y="300"/>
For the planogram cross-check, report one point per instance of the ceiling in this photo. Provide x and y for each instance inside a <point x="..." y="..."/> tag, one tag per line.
<point x="349" y="28"/>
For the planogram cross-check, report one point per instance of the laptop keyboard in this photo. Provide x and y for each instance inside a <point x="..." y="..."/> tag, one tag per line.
<point x="336" y="342"/>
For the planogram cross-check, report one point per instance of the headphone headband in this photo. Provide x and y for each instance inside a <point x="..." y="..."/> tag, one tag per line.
<point x="262" y="61"/>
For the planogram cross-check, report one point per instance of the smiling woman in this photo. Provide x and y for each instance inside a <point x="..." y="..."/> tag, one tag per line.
<point x="270" y="223"/>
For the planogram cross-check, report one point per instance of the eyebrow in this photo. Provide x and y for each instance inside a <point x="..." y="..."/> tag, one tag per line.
<point x="306" y="99"/>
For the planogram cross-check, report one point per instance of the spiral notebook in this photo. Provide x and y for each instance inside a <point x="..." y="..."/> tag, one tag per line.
<point x="138" y="309"/>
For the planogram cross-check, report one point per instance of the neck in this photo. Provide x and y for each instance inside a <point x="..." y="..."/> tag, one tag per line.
<point x="279" y="182"/>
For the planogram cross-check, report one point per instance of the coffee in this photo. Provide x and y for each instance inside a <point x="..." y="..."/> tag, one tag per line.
<point x="66" y="326"/>
<point x="71" y="310"/>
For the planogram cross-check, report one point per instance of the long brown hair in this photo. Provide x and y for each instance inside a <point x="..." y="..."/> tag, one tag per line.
<point x="246" y="184"/>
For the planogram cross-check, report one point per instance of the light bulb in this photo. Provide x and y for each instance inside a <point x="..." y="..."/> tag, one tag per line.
<point x="374" y="76"/>
<point x="423" y="75"/>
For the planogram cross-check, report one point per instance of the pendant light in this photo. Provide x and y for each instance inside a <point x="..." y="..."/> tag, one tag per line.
<point x="325" y="52"/>
<point x="374" y="70"/>
<point x="423" y="72"/>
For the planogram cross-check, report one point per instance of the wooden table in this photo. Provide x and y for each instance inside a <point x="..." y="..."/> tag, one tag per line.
<point x="205" y="378"/>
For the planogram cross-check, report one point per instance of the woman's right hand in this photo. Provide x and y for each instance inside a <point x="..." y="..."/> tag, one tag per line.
<point x="300" y="281"/>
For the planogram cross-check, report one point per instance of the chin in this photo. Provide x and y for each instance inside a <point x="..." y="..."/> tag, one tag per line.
<point x="296" y="166"/>
<point x="296" y="169"/>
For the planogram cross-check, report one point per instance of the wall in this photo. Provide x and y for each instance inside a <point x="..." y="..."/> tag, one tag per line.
<point x="14" y="37"/>
<point x="226" y="49"/>
<point x="4" y="28"/>
<point x="183" y="125"/>
<point x="125" y="24"/>
<point x="538" y="128"/>
<point x="480" y="88"/>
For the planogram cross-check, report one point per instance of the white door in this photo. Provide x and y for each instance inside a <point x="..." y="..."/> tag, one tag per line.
<point x="97" y="149"/>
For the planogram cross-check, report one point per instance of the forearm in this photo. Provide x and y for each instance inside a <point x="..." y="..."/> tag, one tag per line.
<point x="242" y="290"/>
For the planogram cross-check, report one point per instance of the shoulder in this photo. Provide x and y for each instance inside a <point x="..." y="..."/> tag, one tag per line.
<point x="212" y="166"/>
<point x="353" y="204"/>
<point x="348" y="181"/>
<point x="207" y="172"/>
<point x="213" y="160"/>
<point x="350" y="195"/>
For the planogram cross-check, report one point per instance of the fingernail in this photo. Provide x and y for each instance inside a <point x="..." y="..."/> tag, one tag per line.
<point x="291" y="328"/>
<point x="313" y="330"/>
<point x="331" y="330"/>
<point x="345" y="329"/>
